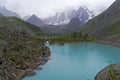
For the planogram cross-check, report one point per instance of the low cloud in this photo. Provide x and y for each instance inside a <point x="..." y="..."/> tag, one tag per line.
<point x="45" y="8"/>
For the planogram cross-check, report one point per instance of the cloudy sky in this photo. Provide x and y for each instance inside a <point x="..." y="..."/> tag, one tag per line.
<point x="44" y="8"/>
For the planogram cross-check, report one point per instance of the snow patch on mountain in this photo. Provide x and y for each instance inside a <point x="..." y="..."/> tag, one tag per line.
<point x="60" y="18"/>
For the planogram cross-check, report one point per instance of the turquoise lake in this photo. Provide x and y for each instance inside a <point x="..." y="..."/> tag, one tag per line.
<point x="77" y="61"/>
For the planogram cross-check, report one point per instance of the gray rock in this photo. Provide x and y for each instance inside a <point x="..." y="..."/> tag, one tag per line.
<point x="105" y="24"/>
<point x="105" y="75"/>
<point x="35" y="20"/>
<point x="30" y="72"/>
<point x="45" y="52"/>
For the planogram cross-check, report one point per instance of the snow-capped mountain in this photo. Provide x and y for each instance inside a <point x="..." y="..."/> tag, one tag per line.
<point x="7" y="12"/>
<point x="73" y="26"/>
<point x="83" y="13"/>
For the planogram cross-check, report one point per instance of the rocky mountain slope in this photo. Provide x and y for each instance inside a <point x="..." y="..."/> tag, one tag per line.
<point x="35" y="20"/>
<point x="23" y="26"/>
<point x="74" y="25"/>
<point x="20" y="50"/>
<point x="83" y="13"/>
<point x="64" y="22"/>
<point x="105" y="24"/>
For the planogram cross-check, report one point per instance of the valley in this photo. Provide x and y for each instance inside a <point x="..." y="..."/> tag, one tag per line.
<point x="24" y="48"/>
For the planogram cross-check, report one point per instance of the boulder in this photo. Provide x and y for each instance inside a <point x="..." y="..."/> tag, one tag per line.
<point x="45" y="52"/>
<point x="105" y="74"/>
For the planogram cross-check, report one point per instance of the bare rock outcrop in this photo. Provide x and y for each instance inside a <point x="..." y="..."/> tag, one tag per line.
<point x="105" y="74"/>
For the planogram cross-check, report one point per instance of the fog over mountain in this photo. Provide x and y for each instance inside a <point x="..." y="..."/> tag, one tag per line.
<point x="6" y="12"/>
<point x="46" y="8"/>
<point x="82" y="13"/>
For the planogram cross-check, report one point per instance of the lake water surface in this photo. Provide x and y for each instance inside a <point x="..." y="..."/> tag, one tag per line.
<point x="77" y="61"/>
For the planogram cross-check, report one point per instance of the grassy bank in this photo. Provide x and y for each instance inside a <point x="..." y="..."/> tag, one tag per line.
<point x="73" y="37"/>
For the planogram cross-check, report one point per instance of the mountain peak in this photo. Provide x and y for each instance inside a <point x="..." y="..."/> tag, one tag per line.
<point x="35" y="20"/>
<point x="83" y="13"/>
<point x="34" y="16"/>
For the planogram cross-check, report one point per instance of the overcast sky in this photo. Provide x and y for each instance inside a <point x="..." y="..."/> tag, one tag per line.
<point x="44" y="8"/>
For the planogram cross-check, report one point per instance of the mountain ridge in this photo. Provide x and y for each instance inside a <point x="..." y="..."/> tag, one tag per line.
<point x="83" y="13"/>
<point x="7" y="12"/>
<point x="73" y="26"/>
<point x="35" y="20"/>
<point x="105" y="24"/>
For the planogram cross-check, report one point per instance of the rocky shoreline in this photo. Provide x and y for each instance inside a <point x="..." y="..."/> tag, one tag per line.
<point x="104" y="74"/>
<point x="30" y="71"/>
<point x="11" y="71"/>
<point x="41" y="61"/>
<point x="35" y="64"/>
<point x="109" y="43"/>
